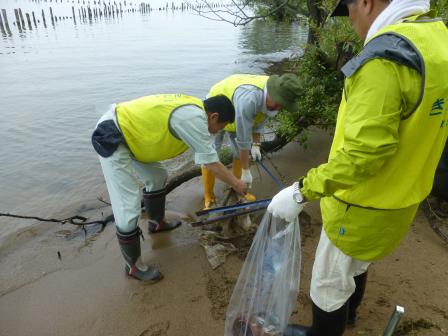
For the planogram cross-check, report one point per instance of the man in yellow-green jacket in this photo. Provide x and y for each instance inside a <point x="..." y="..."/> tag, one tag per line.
<point x="391" y="129"/>
<point x="255" y="98"/>
<point x="131" y="139"/>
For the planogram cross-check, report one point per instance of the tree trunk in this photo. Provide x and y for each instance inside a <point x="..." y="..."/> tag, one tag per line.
<point x="317" y="19"/>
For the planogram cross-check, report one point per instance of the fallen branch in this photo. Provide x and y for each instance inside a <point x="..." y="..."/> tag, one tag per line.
<point x="75" y="220"/>
<point x="99" y="198"/>
<point x="238" y="17"/>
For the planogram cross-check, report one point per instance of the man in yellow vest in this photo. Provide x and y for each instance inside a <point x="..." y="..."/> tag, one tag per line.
<point x="131" y="140"/>
<point x="391" y="129"/>
<point x="255" y="98"/>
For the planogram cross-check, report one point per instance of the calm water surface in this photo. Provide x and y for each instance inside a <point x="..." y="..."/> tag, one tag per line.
<point x="55" y="83"/>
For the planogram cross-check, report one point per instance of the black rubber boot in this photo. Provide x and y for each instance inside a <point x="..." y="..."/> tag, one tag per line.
<point x="155" y="209"/>
<point x="324" y="323"/>
<point x="356" y="298"/>
<point x="130" y="248"/>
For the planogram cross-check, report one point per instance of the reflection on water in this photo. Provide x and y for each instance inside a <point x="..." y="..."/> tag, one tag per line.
<point x="269" y="37"/>
<point x="55" y="83"/>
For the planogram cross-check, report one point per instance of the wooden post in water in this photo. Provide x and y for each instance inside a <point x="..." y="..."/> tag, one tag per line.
<point x="2" y="28"/>
<point x="22" y="21"/>
<point x="43" y="19"/>
<point x="52" y="17"/>
<point x="73" y="13"/>
<point x="16" y="13"/>
<point x="34" y="20"/>
<point x="28" y="19"/>
<point x="5" y="19"/>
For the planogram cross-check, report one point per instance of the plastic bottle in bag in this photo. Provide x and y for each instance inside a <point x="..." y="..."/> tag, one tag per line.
<point x="267" y="288"/>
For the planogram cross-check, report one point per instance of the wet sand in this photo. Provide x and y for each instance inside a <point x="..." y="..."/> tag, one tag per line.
<point x="85" y="292"/>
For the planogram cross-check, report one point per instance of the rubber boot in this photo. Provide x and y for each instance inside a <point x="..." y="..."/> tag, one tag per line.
<point x="208" y="180"/>
<point x="356" y="298"/>
<point x="237" y="169"/>
<point x="324" y="323"/>
<point x="155" y="209"/>
<point x="130" y="248"/>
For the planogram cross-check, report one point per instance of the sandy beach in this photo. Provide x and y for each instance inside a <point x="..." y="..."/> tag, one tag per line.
<point x="85" y="291"/>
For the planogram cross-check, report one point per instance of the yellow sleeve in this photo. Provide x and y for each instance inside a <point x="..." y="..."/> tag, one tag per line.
<point x="370" y="130"/>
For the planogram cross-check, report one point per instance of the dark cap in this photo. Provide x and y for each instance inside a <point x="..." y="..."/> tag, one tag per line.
<point x="285" y="90"/>
<point x="340" y="9"/>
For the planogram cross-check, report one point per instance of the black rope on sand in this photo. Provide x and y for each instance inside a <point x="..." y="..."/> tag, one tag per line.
<point x="75" y="220"/>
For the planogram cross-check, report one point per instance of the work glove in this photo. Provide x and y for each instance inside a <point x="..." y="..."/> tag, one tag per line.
<point x="246" y="177"/>
<point x="255" y="152"/>
<point x="286" y="204"/>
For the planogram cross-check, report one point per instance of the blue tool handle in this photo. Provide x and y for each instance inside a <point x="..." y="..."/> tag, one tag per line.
<point x="234" y="207"/>
<point x="276" y="180"/>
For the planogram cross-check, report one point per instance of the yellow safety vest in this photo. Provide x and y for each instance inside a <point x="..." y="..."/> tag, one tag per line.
<point x="228" y="86"/>
<point x="144" y="123"/>
<point x="368" y="220"/>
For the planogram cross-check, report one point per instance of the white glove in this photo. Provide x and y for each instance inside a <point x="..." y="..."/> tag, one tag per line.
<point x="246" y="177"/>
<point x="283" y="204"/>
<point x="255" y="152"/>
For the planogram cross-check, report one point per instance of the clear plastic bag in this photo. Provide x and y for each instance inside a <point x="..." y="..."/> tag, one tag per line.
<point x="267" y="288"/>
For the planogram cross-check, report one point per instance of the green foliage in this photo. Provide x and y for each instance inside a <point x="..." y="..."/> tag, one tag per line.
<point x="322" y="86"/>
<point x="225" y="154"/>
<point x="441" y="8"/>
<point x="322" y="81"/>
<point x="286" y="13"/>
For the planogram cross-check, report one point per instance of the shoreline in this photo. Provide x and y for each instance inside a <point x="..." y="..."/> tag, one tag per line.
<point x="86" y="291"/>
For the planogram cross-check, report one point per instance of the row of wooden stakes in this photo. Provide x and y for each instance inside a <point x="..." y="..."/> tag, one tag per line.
<point x="86" y="14"/>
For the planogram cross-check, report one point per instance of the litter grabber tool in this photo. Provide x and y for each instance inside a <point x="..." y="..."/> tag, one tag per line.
<point x="232" y="208"/>
<point x="231" y="215"/>
<point x="276" y="180"/>
<point x="393" y="321"/>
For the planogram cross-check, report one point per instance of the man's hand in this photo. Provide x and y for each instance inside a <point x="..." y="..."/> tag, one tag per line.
<point x="226" y="176"/>
<point x="240" y="187"/>
<point x="284" y="205"/>
<point x="246" y="177"/>
<point x="255" y="152"/>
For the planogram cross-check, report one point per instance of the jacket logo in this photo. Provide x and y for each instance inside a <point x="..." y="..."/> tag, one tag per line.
<point x="437" y="107"/>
